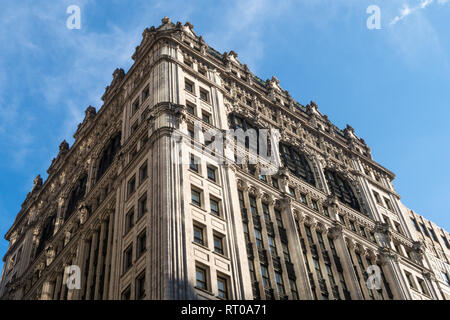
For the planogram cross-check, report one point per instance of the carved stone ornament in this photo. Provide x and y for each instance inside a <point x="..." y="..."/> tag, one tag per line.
<point x="83" y="213"/>
<point x="335" y="231"/>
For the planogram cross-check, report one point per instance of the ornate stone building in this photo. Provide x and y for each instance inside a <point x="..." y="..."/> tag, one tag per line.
<point x="143" y="218"/>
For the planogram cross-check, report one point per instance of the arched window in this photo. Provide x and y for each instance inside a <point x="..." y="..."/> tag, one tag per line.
<point x="297" y="163"/>
<point x="340" y="187"/>
<point x="76" y="195"/>
<point x="47" y="232"/>
<point x="108" y="155"/>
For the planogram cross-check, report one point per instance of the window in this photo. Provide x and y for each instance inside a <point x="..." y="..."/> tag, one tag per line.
<point x="128" y="258"/>
<point x="141" y="243"/>
<point x="446" y="242"/>
<point x="263" y="178"/>
<point x="445" y="277"/>
<point x="201" y="280"/>
<point x="265" y="276"/>
<point x="294" y="290"/>
<point x="193" y="163"/>
<point x="352" y="225"/>
<point x="433" y="234"/>
<point x="341" y="188"/>
<point x="303" y="198"/>
<point x="126" y="294"/>
<point x="196" y="197"/>
<point x="410" y="279"/>
<point x="222" y="287"/>
<point x="292" y="192"/>
<point x="188" y="86"/>
<point x="398" y="227"/>
<point x="135" y="106"/>
<point x="145" y="93"/>
<point x="251" y="267"/>
<point x="278" y="217"/>
<point x="134" y="127"/>
<point x="423" y="286"/>
<point x="424" y="230"/>
<point x="218" y="244"/>
<point x="388" y="204"/>
<point x="142" y="206"/>
<point x="275" y="183"/>
<point x="377" y="197"/>
<point x="280" y="284"/>
<point x="199" y="235"/>
<point x="266" y="212"/>
<point x="315" y="206"/>
<point x="211" y="172"/>
<point x="272" y="246"/>
<point x="204" y="95"/>
<point x="131" y="185"/>
<point x="296" y="162"/>
<point x="129" y="220"/>
<point x="416" y="226"/>
<point x="246" y="232"/>
<point x="206" y="117"/>
<point x="326" y="212"/>
<point x="362" y="232"/>
<point x="258" y="237"/>
<point x="202" y="72"/>
<point x="253" y="207"/>
<point x="191" y="133"/>
<point x="108" y="155"/>
<point x="215" y="207"/>
<point x="287" y="255"/>
<point x="190" y="108"/>
<point x="241" y="199"/>
<point x="140" y="286"/>
<point x="143" y="172"/>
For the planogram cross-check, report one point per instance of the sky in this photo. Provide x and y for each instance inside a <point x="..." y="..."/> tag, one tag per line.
<point x="391" y="84"/>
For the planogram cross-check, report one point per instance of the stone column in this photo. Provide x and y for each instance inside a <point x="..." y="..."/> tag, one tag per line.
<point x="47" y="290"/>
<point x="58" y="285"/>
<point x="108" y="256"/>
<point x="91" y="265"/>
<point x="347" y="265"/>
<point x="295" y="249"/>
<point x="99" y="260"/>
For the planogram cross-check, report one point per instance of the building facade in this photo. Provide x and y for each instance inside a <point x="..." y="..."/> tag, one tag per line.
<point x="144" y="205"/>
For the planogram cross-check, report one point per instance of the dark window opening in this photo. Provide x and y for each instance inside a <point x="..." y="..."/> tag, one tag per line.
<point x="76" y="195"/>
<point x="297" y="163"/>
<point x="342" y="189"/>
<point x="108" y="155"/>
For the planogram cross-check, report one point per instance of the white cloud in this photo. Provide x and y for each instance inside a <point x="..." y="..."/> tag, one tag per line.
<point x="406" y="10"/>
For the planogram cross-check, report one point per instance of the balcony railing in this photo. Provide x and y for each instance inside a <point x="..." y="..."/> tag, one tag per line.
<point x="270" y="229"/>
<point x="276" y="263"/>
<point x="269" y="294"/>
<point x="255" y="288"/>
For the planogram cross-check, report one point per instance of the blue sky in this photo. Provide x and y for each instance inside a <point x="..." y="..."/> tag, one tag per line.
<point x="392" y="85"/>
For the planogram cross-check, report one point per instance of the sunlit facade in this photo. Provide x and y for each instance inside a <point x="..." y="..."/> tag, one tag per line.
<point x="144" y="219"/>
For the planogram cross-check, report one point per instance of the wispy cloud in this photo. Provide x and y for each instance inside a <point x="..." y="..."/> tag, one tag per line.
<point x="407" y="10"/>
